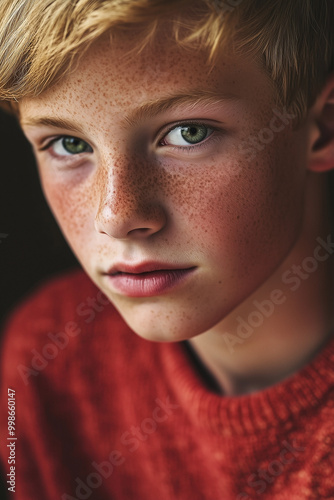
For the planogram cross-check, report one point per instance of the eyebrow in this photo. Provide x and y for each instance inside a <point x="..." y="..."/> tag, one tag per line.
<point x="148" y="109"/>
<point x="51" y="122"/>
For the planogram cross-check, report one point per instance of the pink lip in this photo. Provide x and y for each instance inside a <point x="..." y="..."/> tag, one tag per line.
<point x="146" y="279"/>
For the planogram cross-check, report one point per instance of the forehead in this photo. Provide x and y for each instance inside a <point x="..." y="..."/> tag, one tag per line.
<point x="111" y="77"/>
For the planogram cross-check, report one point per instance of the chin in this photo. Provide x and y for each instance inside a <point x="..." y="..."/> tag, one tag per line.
<point x="175" y="325"/>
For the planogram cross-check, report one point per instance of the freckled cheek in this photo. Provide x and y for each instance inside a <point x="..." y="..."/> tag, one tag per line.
<point x="73" y="211"/>
<point x="242" y="209"/>
<point x="207" y="213"/>
<point x="265" y="208"/>
<point x="212" y="196"/>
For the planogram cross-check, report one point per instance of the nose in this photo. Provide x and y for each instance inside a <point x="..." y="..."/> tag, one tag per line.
<point x="128" y="202"/>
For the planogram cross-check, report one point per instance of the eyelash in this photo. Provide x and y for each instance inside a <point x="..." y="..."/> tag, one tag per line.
<point x="186" y="149"/>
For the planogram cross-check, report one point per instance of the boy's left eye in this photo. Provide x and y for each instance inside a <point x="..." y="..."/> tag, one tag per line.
<point x="187" y="135"/>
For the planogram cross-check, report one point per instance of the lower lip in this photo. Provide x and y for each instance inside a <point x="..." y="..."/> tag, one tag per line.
<point x="148" y="284"/>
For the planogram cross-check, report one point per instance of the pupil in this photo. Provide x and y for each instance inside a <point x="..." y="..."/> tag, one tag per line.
<point x="194" y="134"/>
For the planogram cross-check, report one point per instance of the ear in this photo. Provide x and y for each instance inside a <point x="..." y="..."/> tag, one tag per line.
<point x="322" y="115"/>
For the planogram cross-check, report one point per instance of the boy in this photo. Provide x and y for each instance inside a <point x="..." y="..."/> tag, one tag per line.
<point x="184" y="149"/>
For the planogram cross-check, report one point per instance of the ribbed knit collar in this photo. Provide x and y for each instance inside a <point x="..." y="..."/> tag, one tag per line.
<point x="277" y="406"/>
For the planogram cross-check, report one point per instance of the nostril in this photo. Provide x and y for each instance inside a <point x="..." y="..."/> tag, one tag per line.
<point x="142" y="230"/>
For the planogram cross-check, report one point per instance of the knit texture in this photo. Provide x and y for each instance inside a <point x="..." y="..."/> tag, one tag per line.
<point x="104" y="414"/>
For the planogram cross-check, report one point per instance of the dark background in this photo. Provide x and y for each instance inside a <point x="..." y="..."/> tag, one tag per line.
<point x="34" y="248"/>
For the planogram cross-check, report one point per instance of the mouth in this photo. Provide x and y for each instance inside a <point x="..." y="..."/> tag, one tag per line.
<point x="147" y="279"/>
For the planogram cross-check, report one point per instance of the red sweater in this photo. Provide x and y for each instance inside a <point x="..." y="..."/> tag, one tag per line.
<point x="106" y="415"/>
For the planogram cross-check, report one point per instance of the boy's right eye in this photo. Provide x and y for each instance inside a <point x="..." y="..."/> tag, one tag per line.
<point x="68" y="146"/>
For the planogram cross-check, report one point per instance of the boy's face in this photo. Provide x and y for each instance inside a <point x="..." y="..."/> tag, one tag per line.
<point x="165" y="171"/>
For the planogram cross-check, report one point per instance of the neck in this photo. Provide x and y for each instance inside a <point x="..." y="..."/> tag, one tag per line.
<point x="286" y="321"/>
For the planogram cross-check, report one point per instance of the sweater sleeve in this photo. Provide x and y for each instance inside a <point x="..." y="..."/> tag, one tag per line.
<point x="20" y="364"/>
<point x="34" y="337"/>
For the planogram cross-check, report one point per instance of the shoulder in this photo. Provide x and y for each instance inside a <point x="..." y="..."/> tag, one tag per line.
<point x="52" y="298"/>
<point x="57" y="300"/>
<point x="48" y="306"/>
<point x="58" y="317"/>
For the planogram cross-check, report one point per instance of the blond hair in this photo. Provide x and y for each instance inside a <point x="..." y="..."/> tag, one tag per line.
<point x="293" y="39"/>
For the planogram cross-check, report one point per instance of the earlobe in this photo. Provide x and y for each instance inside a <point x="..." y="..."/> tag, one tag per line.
<point x="322" y="147"/>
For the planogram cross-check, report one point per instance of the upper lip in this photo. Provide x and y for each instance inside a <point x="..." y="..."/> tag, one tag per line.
<point x="144" y="267"/>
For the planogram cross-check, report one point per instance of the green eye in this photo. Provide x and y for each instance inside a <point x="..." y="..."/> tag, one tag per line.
<point x="194" y="133"/>
<point x="185" y="135"/>
<point x="68" y="146"/>
<point x="75" y="146"/>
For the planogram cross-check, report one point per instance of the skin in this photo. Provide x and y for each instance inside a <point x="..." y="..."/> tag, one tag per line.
<point x="136" y="197"/>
